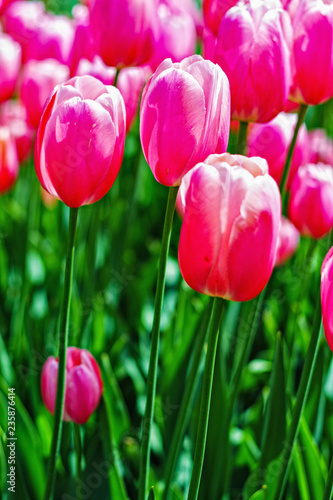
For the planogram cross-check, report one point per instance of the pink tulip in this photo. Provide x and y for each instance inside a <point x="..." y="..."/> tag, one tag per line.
<point x="185" y="116"/>
<point x="272" y="140"/>
<point x="4" y="4"/>
<point x="230" y="229"/>
<point x="13" y="114"/>
<point x="319" y="147"/>
<point x="84" y="385"/>
<point x="176" y="36"/>
<point x="38" y="80"/>
<point x="327" y="297"/>
<point x="80" y="141"/>
<point x="313" y="28"/>
<point x="10" y="64"/>
<point x="97" y="69"/>
<point x="123" y="32"/>
<point x="254" y="50"/>
<point x="310" y="204"/>
<point x="188" y="7"/>
<point x="290" y="6"/>
<point x="9" y="165"/>
<point x="288" y="242"/>
<point x="214" y="10"/>
<point x="82" y="44"/>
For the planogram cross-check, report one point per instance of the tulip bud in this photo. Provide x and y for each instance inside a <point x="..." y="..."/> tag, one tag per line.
<point x="13" y="114"/>
<point x="310" y="204"/>
<point x="83" y="389"/>
<point x="10" y="64"/>
<point x="9" y="166"/>
<point x="185" y="116"/>
<point x="254" y="49"/>
<point x="319" y="147"/>
<point x="230" y="229"/>
<point x="288" y="242"/>
<point x="327" y="297"/>
<point x="80" y="141"/>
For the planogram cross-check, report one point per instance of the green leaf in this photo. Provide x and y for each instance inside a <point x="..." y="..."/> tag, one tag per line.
<point x="260" y="495"/>
<point x="300" y="471"/>
<point x="151" y="495"/>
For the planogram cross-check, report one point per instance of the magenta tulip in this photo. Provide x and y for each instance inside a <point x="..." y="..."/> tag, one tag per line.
<point x="13" y="114"/>
<point x="327" y="297"/>
<point x="313" y="28"/>
<point x="319" y="147"/>
<point x="38" y="80"/>
<point x="84" y="385"/>
<point x="310" y="204"/>
<point x="123" y="32"/>
<point x="185" y="116"/>
<point x="80" y="141"/>
<point x="254" y="50"/>
<point x="9" y="165"/>
<point x="10" y="64"/>
<point x="82" y="44"/>
<point x="272" y="140"/>
<point x="97" y="69"/>
<point x="288" y="241"/>
<point x="214" y="10"/>
<point x="230" y="229"/>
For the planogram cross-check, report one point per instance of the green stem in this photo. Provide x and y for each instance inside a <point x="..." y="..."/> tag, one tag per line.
<point x="155" y="338"/>
<point x="329" y="484"/>
<point x="205" y="399"/>
<point x="78" y="451"/>
<point x="63" y="340"/>
<point x="116" y="77"/>
<point x="185" y="408"/>
<point x="241" y="139"/>
<point x="286" y="169"/>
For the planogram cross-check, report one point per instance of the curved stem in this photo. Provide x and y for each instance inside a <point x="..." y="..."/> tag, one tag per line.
<point x="155" y="338"/>
<point x="116" y="77"/>
<point x="241" y="139"/>
<point x="329" y="484"/>
<point x="78" y="451"/>
<point x="286" y="169"/>
<point x="205" y="399"/>
<point x="185" y="408"/>
<point x="63" y="340"/>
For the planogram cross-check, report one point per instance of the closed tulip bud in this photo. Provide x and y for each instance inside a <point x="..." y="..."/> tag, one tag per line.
<point x="310" y="203"/>
<point x="80" y="141"/>
<point x="185" y="116"/>
<point x="10" y="64"/>
<point x="82" y="44"/>
<point x="272" y="140"/>
<point x="327" y="297"/>
<point x="288" y="241"/>
<point x="83" y="389"/>
<point x="97" y="69"/>
<point x="230" y="229"/>
<point x="38" y="80"/>
<point x="319" y="147"/>
<point x="13" y="114"/>
<point x="9" y="165"/>
<point x="254" y="49"/>
<point x="123" y="32"/>
<point x="313" y="28"/>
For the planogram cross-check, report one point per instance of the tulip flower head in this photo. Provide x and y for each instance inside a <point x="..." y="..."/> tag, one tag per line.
<point x="13" y="114"/>
<point x="9" y="165"/>
<point x="83" y="389"/>
<point x="80" y="141"/>
<point x="327" y="297"/>
<point x="185" y="116"/>
<point x="10" y="64"/>
<point x="288" y="241"/>
<point x="229" y="235"/>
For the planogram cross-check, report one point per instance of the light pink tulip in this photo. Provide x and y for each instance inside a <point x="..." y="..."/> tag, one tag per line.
<point x="288" y="241"/>
<point x="84" y="385"/>
<point x="97" y="69"/>
<point x="327" y="297"/>
<point x="214" y="10"/>
<point x="82" y="44"/>
<point x="123" y="32"/>
<point x="230" y="229"/>
<point x="13" y="114"/>
<point x="185" y="116"/>
<point x="38" y="80"/>
<point x="176" y="36"/>
<point x="10" y="64"/>
<point x="189" y="7"/>
<point x="80" y="141"/>
<point x="9" y="165"/>
<point x="272" y="140"/>
<point x="310" y="204"/>
<point x="254" y="50"/>
<point x="313" y="28"/>
<point x="319" y="147"/>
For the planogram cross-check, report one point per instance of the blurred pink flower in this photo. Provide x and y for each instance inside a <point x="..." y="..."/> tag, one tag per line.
<point x="10" y="64"/>
<point x="327" y="297"/>
<point x="13" y="114"/>
<point x="9" y="165"/>
<point x="288" y="241"/>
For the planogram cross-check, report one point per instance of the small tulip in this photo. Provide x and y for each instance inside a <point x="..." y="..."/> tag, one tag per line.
<point x="80" y="141"/>
<point x="38" y="80"/>
<point x="123" y="32"/>
<point x="319" y="147"/>
<point x="313" y="28"/>
<point x="310" y="204"/>
<point x="9" y="165"/>
<point x="84" y="385"/>
<point x="254" y="49"/>
<point x="272" y="140"/>
<point x="82" y="44"/>
<point x="229" y="234"/>
<point x="288" y="242"/>
<point x="10" y="64"/>
<point x="185" y="116"/>
<point x="13" y="114"/>
<point x="327" y="297"/>
<point x="97" y="69"/>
